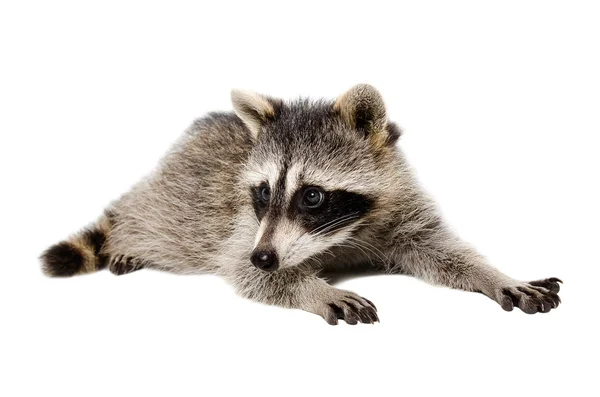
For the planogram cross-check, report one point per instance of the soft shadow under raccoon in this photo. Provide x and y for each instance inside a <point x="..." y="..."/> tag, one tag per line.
<point x="273" y="194"/>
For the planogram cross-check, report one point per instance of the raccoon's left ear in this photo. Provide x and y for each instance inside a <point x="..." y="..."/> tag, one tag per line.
<point x="362" y="108"/>
<point x="254" y="109"/>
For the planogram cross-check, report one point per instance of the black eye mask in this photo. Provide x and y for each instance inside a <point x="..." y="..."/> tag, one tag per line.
<point x="337" y="209"/>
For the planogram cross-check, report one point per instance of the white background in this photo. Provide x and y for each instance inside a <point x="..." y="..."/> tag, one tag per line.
<point x="499" y="103"/>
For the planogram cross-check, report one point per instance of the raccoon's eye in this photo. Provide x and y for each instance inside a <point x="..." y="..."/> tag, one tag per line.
<point x="265" y="193"/>
<point x="313" y="197"/>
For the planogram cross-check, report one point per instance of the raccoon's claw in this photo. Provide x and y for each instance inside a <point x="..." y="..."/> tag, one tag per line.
<point x="533" y="297"/>
<point x="352" y="309"/>
<point x="122" y="264"/>
<point x="551" y="284"/>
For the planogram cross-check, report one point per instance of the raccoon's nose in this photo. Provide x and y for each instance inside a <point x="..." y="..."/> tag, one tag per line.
<point x="265" y="260"/>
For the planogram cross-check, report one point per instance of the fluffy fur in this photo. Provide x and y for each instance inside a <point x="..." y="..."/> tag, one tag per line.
<point x="303" y="186"/>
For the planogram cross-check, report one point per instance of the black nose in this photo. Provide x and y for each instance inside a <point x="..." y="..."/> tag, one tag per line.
<point x="265" y="260"/>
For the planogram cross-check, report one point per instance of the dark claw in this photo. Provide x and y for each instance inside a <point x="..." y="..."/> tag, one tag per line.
<point x="357" y="310"/>
<point x="548" y="305"/>
<point x="555" y="299"/>
<point x="364" y="317"/>
<point x="370" y="303"/>
<point x="551" y="284"/>
<point x="555" y="280"/>
<point x="352" y="310"/>
<point x="544" y="307"/>
<point x="374" y="315"/>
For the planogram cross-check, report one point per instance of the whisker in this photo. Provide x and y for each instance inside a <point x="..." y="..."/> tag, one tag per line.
<point x="319" y="228"/>
<point x="373" y="249"/>
<point x="337" y="223"/>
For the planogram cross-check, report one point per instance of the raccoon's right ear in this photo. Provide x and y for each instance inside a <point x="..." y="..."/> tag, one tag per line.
<point x="362" y="108"/>
<point x="254" y="109"/>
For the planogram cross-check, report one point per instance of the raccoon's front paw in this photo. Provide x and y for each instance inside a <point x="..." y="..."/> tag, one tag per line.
<point x="533" y="297"/>
<point x="350" y="307"/>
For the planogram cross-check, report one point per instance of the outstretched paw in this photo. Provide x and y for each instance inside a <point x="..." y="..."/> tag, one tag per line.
<point x="121" y="264"/>
<point x="533" y="297"/>
<point x="351" y="308"/>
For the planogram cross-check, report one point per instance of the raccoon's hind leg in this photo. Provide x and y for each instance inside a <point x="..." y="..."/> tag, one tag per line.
<point x="88" y="251"/>
<point x="123" y="264"/>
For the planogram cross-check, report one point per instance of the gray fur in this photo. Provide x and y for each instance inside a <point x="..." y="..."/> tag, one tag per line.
<point x="194" y="214"/>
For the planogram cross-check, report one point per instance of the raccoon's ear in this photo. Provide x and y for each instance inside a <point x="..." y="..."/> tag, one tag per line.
<point x="254" y="109"/>
<point x="362" y="108"/>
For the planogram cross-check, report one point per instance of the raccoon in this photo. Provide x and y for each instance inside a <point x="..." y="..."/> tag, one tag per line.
<point x="275" y="194"/>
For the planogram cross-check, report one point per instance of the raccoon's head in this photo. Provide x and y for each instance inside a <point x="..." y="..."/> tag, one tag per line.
<point x="318" y="171"/>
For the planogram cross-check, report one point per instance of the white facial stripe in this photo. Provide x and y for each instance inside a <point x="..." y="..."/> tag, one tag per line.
<point x="292" y="181"/>
<point x="286" y="233"/>
<point x="260" y="232"/>
<point x="325" y="178"/>
<point x="350" y="181"/>
<point x="268" y="172"/>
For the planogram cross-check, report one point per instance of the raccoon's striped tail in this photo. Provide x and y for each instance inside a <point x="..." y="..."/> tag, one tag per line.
<point x="79" y="254"/>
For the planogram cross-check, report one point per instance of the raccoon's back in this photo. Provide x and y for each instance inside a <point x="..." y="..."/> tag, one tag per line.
<point x="179" y="215"/>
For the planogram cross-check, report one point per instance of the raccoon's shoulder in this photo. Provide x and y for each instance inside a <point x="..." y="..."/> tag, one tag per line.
<point x="220" y="126"/>
<point x="216" y="135"/>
